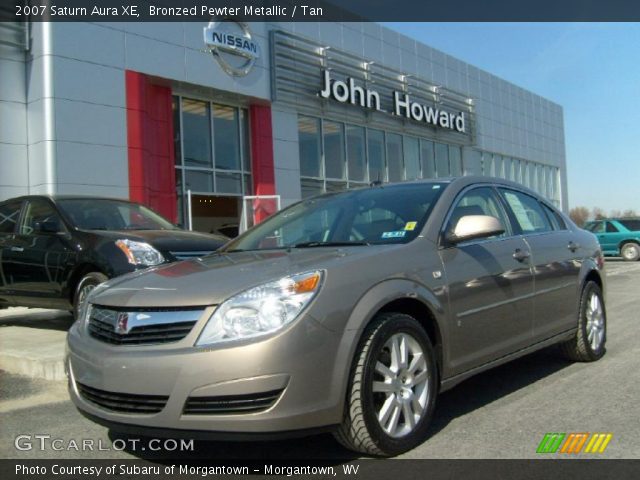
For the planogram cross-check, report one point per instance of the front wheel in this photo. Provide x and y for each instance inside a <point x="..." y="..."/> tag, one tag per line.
<point x="588" y="345"/>
<point x="85" y="285"/>
<point x="392" y="389"/>
<point x="630" y="252"/>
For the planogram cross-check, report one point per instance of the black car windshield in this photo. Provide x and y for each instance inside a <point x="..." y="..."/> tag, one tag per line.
<point x="105" y="214"/>
<point x="380" y="215"/>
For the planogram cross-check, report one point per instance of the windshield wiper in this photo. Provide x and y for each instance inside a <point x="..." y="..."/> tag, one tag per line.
<point x="327" y="244"/>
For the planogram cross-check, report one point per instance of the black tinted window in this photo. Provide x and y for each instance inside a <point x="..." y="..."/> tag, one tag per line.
<point x="611" y="228"/>
<point x="9" y="213"/>
<point x="631" y="224"/>
<point x="528" y="212"/>
<point x="36" y="213"/>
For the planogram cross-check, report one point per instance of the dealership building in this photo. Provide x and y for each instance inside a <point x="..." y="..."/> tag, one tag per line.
<point x="225" y="110"/>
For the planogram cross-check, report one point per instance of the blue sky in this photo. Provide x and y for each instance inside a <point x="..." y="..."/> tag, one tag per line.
<point x="591" y="69"/>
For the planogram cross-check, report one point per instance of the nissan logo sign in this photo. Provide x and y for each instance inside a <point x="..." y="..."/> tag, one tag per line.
<point x="231" y="44"/>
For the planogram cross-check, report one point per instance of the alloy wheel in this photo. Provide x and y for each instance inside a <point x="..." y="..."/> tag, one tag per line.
<point x="400" y="385"/>
<point x="595" y="322"/>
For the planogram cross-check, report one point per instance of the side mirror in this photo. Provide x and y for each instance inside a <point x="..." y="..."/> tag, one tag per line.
<point x="47" y="227"/>
<point x="471" y="227"/>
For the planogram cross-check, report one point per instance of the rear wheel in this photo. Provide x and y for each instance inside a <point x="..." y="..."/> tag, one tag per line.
<point x="630" y="252"/>
<point x="588" y="345"/>
<point x="392" y="389"/>
<point x="85" y="285"/>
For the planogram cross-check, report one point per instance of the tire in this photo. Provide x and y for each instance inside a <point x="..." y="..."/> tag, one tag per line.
<point x="85" y="285"/>
<point x="630" y="252"/>
<point x="360" y="430"/>
<point x="584" y="347"/>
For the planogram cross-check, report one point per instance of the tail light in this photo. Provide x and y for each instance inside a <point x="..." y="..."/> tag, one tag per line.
<point x="600" y="260"/>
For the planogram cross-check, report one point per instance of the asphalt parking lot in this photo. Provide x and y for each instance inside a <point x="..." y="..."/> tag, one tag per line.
<point x="503" y="413"/>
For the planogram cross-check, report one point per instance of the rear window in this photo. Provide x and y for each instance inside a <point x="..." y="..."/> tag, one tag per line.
<point x="631" y="224"/>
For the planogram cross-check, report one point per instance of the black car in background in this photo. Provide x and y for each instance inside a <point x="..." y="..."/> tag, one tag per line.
<point x="55" y="249"/>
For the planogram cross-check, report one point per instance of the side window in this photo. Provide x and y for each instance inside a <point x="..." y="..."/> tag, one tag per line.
<point x="528" y="212"/>
<point x="37" y="213"/>
<point x="479" y="201"/>
<point x="556" y="220"/>
<point x="9" y="213"/>
<point x="597" y="227"/>
<point x="611" y="228"/>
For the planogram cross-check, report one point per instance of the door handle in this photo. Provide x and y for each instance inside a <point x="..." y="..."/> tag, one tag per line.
<point x="17" y="249"/>
<point x="573" y="246"/>
<point x="521" y="255"/>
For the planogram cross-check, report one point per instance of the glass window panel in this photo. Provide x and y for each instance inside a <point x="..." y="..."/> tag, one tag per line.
<point x="179" y="196"/>
<point x="517" y="176"/>
<point x="248" y="185"/>
<point x="336" y="186"/>
<point x="442" y="160"/>
<point x="311" y="187"/>
<point x="309" y="145"/>
<point x="376" y="155"/>
<point x="196" y="133"/>
<point x="527" y="211"/>
<point x="533" y="184"/>
<point x="428" y="159"/>
<point x="246" y="146"/>
<point x="394" y="157"/>
<point x="198" y="181"/>
<point x="455" y="160"/>
<point x="226" y="137"/>
<point x="411" y="158"/>
<point x="228" y="182"/>
<point x="488" y="166"/>
<point x="177" y="145"/>
<point x="333" y="133"/>
<point x="497" y="159"/>
<point x="356" y="153"/>
<point x="541" y="186"/>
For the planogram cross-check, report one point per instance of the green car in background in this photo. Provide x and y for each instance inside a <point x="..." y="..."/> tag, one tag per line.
<point x="618" y="236"/>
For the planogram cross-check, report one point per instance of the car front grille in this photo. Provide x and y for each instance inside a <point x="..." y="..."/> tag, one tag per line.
<point x="229" y="404"/>
<point x="188" y="255"/>
<point x="141" y="327"/>
<point x="123" y="402"/>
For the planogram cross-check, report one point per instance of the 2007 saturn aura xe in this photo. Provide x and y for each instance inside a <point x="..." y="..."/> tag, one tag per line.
<point x="347" y="311"/>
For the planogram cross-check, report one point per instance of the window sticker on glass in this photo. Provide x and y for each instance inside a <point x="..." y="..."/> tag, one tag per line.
<point x="410" y="226"/>
<point x="519" y="211"/>
<point x="395" y="234"/>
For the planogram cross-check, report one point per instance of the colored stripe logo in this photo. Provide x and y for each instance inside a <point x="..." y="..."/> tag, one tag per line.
<point x="573" y="443"/>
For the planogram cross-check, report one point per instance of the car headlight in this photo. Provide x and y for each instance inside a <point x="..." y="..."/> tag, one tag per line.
<point x="140" y="253"/>
<point x="261" y="310"/>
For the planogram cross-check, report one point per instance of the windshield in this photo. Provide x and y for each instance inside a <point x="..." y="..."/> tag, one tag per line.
<point x="380" y="215"/>
<point x="103" y="214"/>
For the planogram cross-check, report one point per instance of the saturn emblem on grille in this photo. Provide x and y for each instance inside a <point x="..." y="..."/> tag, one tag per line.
<point x="122" y="321"/>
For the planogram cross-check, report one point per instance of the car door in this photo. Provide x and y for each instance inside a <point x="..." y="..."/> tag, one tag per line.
<point x="9" y="216"/>
<point x="606" y="232"/>
<point x="556" y="256"/>
<point x="490" y="286"/>
<point x="37" y="261"/>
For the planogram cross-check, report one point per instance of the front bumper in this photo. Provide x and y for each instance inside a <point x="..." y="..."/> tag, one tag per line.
<point x="298" y="363"/>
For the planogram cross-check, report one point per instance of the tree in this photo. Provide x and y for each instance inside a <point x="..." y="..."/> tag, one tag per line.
<point x="598" y="214"/>
<point x="615" y="214"/>
<point x="579" y="215"/>
<point x="629" y="213"/>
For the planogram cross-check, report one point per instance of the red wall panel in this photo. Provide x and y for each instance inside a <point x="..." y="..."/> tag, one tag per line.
<point x="262" y="158"/>
<point x="150" y="144"/>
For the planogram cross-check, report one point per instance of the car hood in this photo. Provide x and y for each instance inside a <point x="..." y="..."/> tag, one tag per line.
<point x="169" y="240"/>
<point x="213" y="279"/>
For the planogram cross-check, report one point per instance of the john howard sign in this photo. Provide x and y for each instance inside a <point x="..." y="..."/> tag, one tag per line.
<point x="403" y="106"/>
